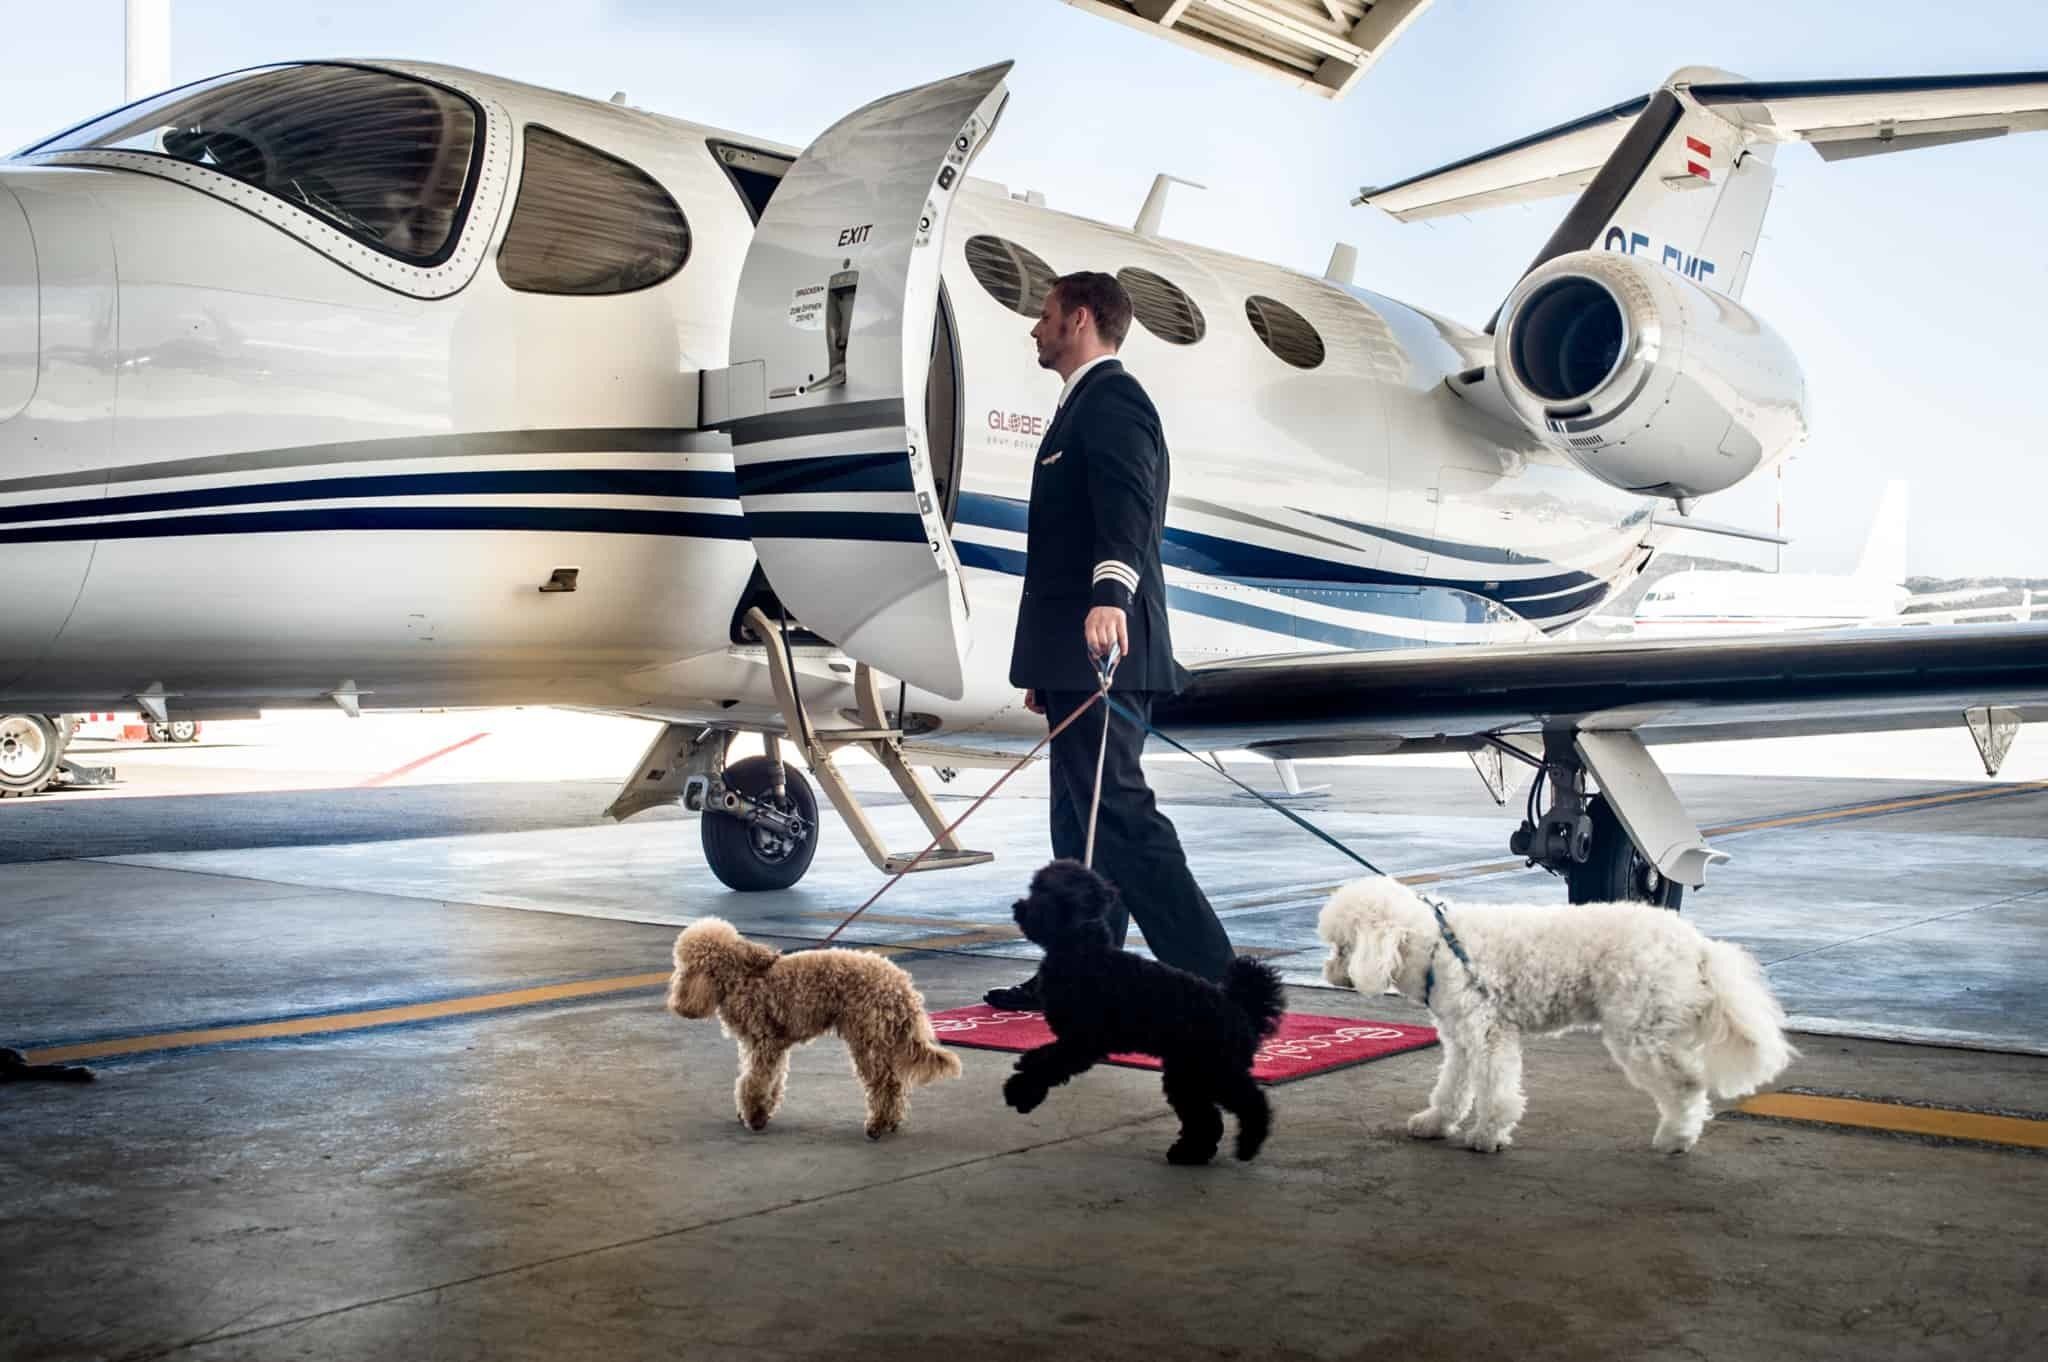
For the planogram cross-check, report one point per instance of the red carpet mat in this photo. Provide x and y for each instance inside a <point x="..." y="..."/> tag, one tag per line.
<point x="1304" y="1045"/>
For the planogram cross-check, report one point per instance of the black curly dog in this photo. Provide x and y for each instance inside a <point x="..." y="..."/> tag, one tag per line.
<point x="1100" y="1001"/>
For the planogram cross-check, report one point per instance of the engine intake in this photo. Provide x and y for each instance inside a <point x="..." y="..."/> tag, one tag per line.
<point x="1570" y="339"/>
<point x="1644" y="378"/>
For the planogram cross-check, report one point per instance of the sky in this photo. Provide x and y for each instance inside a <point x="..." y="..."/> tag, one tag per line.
<point x="1912" y="287"/>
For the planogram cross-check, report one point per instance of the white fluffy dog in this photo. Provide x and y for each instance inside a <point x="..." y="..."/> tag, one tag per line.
<point x="1681" y="1014"/>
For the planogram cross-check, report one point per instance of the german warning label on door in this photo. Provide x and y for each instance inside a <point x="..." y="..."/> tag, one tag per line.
<point x="807" y="308"/>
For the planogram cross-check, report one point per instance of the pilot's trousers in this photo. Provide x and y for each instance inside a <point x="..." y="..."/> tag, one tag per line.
<point x="1136" y="847"/>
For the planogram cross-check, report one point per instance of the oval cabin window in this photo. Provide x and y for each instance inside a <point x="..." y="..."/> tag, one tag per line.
<point x="1162" y="308"/>
<point x="588" y="223"/>
<point x="1012" y="275"/>
<point x="1284" y="331"/>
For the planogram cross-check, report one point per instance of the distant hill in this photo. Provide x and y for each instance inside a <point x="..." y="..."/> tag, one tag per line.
<point x="1916" y="585"/>
<point x="2002" y="591"/>
<point x="2007" y="589"/>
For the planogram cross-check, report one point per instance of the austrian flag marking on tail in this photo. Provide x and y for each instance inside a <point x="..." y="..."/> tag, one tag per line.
<point x="1705" y="153"/>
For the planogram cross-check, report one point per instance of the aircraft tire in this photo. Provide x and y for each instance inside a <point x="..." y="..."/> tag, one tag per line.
<point x="31" y="753"/>
<point x="749" y="858"/>
<point x="184" y="730"/>
<point x="1616" y="871"/>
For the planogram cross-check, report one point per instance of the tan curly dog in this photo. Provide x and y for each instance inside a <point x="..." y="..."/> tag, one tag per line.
<point x="771" y="1003"/>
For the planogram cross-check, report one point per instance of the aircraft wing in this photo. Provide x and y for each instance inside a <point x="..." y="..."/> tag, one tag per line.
<point x="1677" y="690"/>
<point x="1841" y="118"/>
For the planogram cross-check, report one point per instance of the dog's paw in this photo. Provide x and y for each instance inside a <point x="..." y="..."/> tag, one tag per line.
<point x="1674" y="1141"/>
<point x="1484" y="1141"/>
<point x="1187" y="1155"/>
<point x="1022" y="1092"/>
<point x="1428" y="1125"/>
<point x="1248" y="1146"/>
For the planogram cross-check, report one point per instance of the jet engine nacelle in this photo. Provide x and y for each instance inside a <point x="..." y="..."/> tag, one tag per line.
<point x="1644" y="378"/>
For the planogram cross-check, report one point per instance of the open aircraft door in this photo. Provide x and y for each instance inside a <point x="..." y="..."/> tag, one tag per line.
<point x="825" y="396"/>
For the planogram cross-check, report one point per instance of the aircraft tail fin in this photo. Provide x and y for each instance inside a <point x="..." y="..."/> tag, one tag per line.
<point x="1684" y="175"/>
<point x="1884" y="552"/>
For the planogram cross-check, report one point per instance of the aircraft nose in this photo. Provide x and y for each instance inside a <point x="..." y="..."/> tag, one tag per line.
<point x="20" y="307"/>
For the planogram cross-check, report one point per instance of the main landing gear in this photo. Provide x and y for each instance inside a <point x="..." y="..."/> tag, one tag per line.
<point x="1587" y="838"/>
<point x="1615" y="867"/>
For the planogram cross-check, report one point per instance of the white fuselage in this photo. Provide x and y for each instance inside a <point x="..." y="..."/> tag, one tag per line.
<point x="196" y="366"/>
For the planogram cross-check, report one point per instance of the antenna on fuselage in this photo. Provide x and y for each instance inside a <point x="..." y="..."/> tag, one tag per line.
<point x="1343" y="263"/>
<point x="1155" y="203"/>
<point x="147" y="68"/>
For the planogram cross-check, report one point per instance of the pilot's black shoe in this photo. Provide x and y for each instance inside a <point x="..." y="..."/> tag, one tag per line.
<point x="1023" y="997"/>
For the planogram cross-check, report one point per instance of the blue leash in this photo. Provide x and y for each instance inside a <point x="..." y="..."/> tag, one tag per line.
<point x="1443" y="924"/>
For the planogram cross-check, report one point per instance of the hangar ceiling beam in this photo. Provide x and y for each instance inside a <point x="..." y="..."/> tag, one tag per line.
<point x="1321" y="46"/>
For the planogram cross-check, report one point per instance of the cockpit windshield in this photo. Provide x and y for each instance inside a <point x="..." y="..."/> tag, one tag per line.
<point x="385" y="158"/>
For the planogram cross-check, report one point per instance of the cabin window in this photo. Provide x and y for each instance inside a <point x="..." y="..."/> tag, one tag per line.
<point x="1012" y="275"/>
<point x="588" y="223"/>
<point x="1162" y="308"/>
<point x="1284" y="331"/>
<point x="388" y="160"/>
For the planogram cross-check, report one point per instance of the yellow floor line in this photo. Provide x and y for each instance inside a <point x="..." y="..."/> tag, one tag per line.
<point x="338" y="1022"/>
<point x="945" y="941"/>
<point x="1940" y="1121"/>
<point x="345" y="1021"/>
<point x="1880" y="806"/>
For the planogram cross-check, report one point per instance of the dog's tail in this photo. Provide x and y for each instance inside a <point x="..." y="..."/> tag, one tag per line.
<point x="929" y="1061"/>
<point x="1745" y="1028"/>
<point x="1255" y="988"/>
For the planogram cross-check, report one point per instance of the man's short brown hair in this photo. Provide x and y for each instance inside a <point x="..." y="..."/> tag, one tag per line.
<point x="1104" y="298"/>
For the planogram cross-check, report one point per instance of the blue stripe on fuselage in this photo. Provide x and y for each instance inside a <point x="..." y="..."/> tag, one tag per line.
<point x="707" y="484"/>
<point x="1253" y="564"/>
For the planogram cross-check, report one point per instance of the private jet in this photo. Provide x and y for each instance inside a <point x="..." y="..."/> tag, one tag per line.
<point x="378" y="384"/>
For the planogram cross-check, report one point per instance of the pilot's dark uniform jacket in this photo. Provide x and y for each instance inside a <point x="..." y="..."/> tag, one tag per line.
<point x="1098" y="510"/>
<point x="1098" y="507"/>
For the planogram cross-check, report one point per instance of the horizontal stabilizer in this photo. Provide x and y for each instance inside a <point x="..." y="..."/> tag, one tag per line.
<point x="1559" y="160"/>
<point x="1845" y="118"/>
<point x="1841" y="118"/>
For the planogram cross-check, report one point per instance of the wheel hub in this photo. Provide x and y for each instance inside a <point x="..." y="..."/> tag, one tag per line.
<point x="23" y="747"/>
<point x="775" y="844"/>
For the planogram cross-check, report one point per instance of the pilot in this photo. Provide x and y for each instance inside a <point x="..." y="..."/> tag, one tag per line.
<point x="1092" y="581"/>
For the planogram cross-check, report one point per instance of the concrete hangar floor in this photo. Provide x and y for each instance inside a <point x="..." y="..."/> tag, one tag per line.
<point x="383" y="1072"/>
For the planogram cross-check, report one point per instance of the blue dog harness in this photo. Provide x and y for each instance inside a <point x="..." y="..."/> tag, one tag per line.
<point x="1450" y="938"/>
